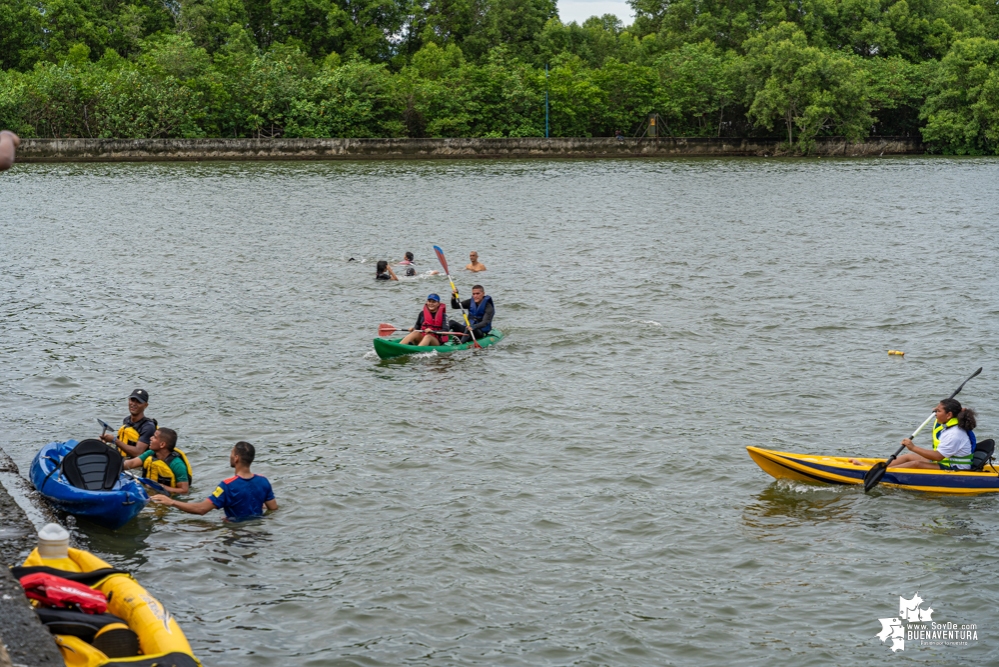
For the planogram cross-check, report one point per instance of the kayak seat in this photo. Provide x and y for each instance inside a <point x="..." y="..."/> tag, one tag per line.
<point x="93" y="466"/>
<point x="77" y="623"/>
<point x="983" y="454"/>
<point x="116" y="640"/>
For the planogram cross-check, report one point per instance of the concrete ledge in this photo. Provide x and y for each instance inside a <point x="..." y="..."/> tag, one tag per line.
<point x="157" y="150"/>
<point x="23" y="639"/>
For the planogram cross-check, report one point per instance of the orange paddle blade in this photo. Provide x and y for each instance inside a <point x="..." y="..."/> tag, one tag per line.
<point x="386" y="329"/>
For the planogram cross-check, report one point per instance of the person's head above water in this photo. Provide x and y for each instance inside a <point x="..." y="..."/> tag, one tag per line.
<point x="409" y="257"/>
<point x="137" y="402"/>
<point x="381" y="267"/>
<point x="949" y="408"/>
<point x="243" y="453"/>
<point x="474" y="256"/>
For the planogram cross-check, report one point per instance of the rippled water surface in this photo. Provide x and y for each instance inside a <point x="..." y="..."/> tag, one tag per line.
<point x="579" y="494"/>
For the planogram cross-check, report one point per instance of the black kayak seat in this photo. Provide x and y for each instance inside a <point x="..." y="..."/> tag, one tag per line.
<point x="92" y="466"/>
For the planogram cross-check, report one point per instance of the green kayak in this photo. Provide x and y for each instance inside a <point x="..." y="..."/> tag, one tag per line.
<point x="386" y="349"/>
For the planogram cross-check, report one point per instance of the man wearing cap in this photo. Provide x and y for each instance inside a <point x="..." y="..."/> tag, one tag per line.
<point x="136" y="429"/>
<point x="433" y="318"/>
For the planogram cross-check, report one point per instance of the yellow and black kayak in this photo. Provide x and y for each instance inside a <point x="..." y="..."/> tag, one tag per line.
<point x="387" y="349"/>
<point x="136" y="631"/>
<point x="839" y="470"/>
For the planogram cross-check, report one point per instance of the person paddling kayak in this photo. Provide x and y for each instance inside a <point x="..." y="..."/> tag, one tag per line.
<point x="480" y="313"/>
<point x="433" y="317"/>
<point x="953" y="441"/>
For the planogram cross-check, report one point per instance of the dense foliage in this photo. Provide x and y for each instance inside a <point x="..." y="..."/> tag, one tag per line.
<point x="477" y="68"/>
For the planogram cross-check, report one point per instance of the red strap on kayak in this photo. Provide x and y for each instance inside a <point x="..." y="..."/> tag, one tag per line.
<point x="53" y="591"/>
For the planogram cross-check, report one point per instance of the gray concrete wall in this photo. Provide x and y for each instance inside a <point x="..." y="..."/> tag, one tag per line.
<point x="140" y="150"/>
<point x="24" y="641"/>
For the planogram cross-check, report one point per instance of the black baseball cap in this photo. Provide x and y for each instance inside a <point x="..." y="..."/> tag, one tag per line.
<point x="141" y="395"/>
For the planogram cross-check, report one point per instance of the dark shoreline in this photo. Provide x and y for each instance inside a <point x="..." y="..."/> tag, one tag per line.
<point x="170" y="150"/>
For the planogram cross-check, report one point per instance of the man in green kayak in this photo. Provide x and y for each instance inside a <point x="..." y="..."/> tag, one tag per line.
<point x="480" y="314"/>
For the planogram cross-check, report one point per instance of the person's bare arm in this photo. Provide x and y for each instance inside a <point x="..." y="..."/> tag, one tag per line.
<point x="132" y="463"/>
<point x="204" y="507"/>
<point x="181" y="487"/>
<point x="8" y="147"/>
<point x="132" y="450"/>
<point x="271" y="505"/>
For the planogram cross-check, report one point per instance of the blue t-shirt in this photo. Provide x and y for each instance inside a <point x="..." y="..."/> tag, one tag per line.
<point x="242" y="498"/>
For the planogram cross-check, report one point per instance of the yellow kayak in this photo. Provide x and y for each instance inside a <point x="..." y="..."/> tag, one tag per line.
<point x="144" y="633"/>
<point x="839" y="470"/>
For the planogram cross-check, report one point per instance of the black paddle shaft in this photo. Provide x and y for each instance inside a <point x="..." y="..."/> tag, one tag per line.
<point x="877" y="471"/>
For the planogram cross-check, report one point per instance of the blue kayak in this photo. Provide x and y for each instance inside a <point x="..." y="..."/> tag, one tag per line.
<point x="84" y="487"/>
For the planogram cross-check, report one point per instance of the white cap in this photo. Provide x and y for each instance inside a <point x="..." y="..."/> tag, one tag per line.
<point x="53" y="541"/>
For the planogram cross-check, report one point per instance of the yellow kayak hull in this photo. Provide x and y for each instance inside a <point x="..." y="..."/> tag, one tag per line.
<point x="160" y="638"/>
<point x="839" y="470"/>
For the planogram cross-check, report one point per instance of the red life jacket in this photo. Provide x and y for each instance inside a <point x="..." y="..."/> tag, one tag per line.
<point x="53" y="591"/>
<point x="435" y="322"/>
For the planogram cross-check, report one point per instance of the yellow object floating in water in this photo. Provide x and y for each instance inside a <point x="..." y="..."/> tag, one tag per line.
<point x="899" y="353"/>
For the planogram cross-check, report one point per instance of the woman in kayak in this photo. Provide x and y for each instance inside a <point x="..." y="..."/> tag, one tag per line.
<point x="433" y="317"/>
<point x="953" y="441"/>
<point x="383" y="271"/>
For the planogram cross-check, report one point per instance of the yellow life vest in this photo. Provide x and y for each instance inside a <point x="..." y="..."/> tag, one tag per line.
<point x="130" y="436"/>
<point x="939" y="428"/>
<point x="160" y="471"/>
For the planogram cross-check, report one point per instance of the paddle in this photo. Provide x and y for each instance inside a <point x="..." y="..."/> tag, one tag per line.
<point x="388" y="330"/>
<point x="440" y="257"/>
<point x="148" y="482"/>
<point x="874" y="475"/>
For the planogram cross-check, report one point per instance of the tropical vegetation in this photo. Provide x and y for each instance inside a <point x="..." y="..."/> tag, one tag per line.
<point x="484" y="68"/>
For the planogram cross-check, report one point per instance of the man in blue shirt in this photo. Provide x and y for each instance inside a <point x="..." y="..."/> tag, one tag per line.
<point x="242" y="496"/>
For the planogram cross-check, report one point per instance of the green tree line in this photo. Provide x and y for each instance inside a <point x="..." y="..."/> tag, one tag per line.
<point x="483" y="68"/>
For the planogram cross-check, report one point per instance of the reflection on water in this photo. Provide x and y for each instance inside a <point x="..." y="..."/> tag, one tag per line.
<point x="785" y="503"/>
<point x="576" y="494"/>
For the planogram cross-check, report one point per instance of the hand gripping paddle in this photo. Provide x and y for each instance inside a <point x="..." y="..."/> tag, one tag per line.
<point x="874" y="475"/>
<point x="440" y="257"/>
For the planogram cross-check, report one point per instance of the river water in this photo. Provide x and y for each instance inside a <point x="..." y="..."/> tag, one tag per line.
<point x="579" y="494"/>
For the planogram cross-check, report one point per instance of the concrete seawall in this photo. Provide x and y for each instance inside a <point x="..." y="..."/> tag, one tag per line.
<point x="153" y="150"/>
<point x="24" y="641"/>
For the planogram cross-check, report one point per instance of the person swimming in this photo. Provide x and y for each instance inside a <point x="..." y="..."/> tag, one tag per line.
<point x="383" y="271"/>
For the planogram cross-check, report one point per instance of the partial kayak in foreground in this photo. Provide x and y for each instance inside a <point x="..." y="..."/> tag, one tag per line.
<point x="387" y="349"/>
<point x="110" y="499"/>
<point x="839" y="470"/>
<point x="136" y="631"/>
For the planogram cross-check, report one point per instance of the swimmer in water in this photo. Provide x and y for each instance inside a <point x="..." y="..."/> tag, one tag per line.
<point x="474" y="264"/>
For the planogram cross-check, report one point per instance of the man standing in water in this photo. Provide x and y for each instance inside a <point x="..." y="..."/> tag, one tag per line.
<point x="474" y="264"/>
<point x="136" y="429"/>
<point x="242" y="496"/>
<point x="164" y="463"/>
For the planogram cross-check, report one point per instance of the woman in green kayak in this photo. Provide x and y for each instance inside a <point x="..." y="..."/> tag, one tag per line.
<point x="430" y="324"/>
